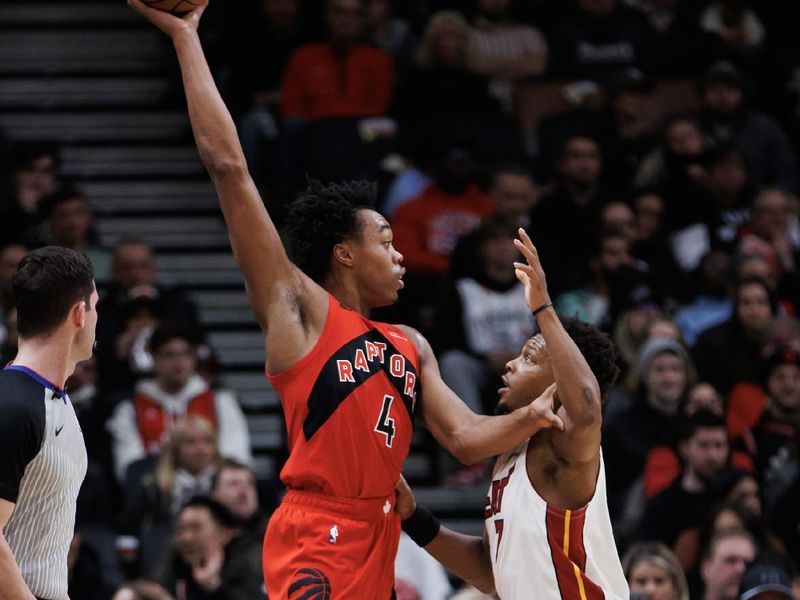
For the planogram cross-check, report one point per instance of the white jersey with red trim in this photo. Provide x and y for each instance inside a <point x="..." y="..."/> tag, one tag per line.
<point x="543" y="552"/>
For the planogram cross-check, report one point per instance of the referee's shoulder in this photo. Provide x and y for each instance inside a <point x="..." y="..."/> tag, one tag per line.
<point x="21" y="397"/>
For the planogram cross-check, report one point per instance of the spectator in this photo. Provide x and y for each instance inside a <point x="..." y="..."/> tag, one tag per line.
<point x="732" y="352"/>
<point x="390" y="33"/>
<point x="608" y="266"/>
<point x="504" y="50"/>
<point x="628" y="127"/>
<point x="724" y="563"/>
<point x="727" y="119"/>
<point x="675" y="515"/>
<point x="712" y="305"/>
<point x="634" y="427"/>
<point x="10" y="255"/>
<point x="652" y="569"/>
<point x="157" y="487"/>
<point x="763" y="581"/>
<point x="204" y="562"/>
<point x="772" y="439"/>
<point x="513" y="194"/>
<point x="34" y="172"/>
<point x="729" y="189"/>
<point x="70" y="217"/>
<point x="134" y="289"/>
<point x="141" y="425"/>
<point x="312" y="86"/>
<point x="234" y="486"/>
<point x="576" y="200"/>
<point x="733" y="31"/>
<point x="442" y="90"/>
<point x="771" y="233"/>
<point x="483" y="320"/>
<point x="427" y="228"/>
<point x="597" y="39"/>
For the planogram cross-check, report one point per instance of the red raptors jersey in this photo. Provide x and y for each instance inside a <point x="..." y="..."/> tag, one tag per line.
<point x="349" y="407"/>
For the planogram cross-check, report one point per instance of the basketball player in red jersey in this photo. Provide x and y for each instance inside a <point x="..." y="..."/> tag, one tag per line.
<point x="548" y="532"/>
<point x="349" y="386"/>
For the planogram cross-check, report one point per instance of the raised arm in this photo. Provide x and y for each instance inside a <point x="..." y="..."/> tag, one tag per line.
<point x="468" y="436"/>
<point x="578" y="390"/>
<point x="274" y="284"/>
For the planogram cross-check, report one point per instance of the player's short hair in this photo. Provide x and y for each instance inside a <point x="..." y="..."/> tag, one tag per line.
<point x="323" y="216"/>
<point x="47" y="283"/>
<point x="599" y="351"/>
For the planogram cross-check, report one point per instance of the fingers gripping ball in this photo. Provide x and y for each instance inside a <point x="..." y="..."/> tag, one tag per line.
<point x="176" y="7"/>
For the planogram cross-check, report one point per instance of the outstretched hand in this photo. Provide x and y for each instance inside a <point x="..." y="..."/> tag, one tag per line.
<point x="167" y="22"/>
<point x="542" y="410"/>
<point x="531" y="275"/>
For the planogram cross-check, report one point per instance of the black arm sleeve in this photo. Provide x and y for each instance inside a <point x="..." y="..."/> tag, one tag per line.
<point x="22" y="424"/>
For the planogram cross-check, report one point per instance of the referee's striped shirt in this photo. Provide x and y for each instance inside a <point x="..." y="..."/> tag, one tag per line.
<point x="42" y="465"/>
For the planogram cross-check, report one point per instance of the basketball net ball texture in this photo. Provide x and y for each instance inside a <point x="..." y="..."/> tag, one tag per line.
<point x="176" y="7"/>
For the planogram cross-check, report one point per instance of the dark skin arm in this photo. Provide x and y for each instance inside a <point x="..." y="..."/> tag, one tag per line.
<point x="468" y="436"/>
<point x="466" y="556"/>
<point x="577" y="447"/>
<point x="288" y="305"/>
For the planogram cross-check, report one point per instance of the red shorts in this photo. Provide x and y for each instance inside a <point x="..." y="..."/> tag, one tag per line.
<point x="331" y="548"/>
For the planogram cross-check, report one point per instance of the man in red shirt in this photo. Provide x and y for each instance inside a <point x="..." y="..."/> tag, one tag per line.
<point x="341" y="77"/>
<point x="349" y="386"/>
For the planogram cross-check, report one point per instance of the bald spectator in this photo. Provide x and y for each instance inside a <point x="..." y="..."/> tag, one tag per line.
<point x="771" y="233"/>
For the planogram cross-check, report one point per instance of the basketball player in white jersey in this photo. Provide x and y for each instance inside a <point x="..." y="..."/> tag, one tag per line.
<point x="548" y="533"/>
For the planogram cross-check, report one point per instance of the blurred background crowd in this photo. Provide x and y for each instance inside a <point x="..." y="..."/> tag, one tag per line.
<point x="649" y="147"/>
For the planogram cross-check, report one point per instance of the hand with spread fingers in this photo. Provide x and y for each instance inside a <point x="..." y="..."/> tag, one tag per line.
<point x="542" y="410"/>
<point x="531" y="275"/>
<point x="167" y="22"/>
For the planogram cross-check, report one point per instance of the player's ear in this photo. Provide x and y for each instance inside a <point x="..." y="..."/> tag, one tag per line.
<point x="342" y="253"/>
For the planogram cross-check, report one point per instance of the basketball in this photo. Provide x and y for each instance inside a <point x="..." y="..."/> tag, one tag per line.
<point x="176" y="7"/>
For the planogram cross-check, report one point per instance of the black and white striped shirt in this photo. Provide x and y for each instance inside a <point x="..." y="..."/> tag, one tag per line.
<point x="42" y="465"/>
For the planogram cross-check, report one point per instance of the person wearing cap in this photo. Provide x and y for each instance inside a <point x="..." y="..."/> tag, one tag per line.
<point x="726" y="118"/>
<point x="766" y="582"/>
<point x="649" y="419"/>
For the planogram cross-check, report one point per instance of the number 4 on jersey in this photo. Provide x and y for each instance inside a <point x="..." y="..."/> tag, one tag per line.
<point x="385" y="423"/>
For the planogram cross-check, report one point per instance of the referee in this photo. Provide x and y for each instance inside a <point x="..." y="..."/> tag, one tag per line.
<point x="42" y="454"/>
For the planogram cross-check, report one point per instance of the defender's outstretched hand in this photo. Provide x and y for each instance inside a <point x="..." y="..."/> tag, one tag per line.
<point x="531" y="275"/>
<point x="167" y="22"/>
<point x="542" y="410"/>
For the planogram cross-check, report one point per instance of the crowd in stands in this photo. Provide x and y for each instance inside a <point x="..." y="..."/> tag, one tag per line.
<point x="649" y="147"/>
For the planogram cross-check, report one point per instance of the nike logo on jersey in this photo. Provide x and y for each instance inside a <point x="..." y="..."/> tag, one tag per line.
<point x="58" y="430"/>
